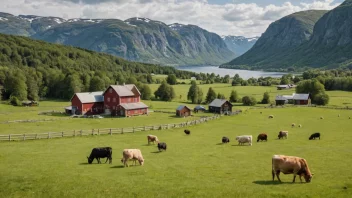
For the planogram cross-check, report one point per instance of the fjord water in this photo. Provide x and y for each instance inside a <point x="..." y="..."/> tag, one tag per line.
<point x="245" y="74"/>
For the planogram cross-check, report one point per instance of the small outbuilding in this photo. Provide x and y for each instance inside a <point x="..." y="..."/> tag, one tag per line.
<point x="220" y="106"/>
<point x="87" y="103"/>
<point x="284" y="99"/>
<point x="183" y="111"/>
<point x="199" y="108"/>
<point x="301" y="99"/>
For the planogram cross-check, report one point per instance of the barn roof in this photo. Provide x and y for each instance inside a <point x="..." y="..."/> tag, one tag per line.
<point x="301" y="96"/>
<point x="217" y="102"/>
<point x="181" y="107"/>
<point x="124" y="90"/>
<point x="131" y="106"/>
<point x="199" y="107"/>
<point x="90" y="97"/>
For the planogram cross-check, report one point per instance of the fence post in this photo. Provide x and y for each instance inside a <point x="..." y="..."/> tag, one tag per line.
<point x="24" y="137"/>
<point x="121" y="130"/>
<point x="49" y="135"/>
<point x="110" y="132"/>
<point x="62" y="134"/>
<point x="81" y="132"/>
<point x="133" y="129"/>
<point x="36" y="135"/>
<point x="98" y="132"/>
<point x="92" y="131"/>
<point x="144" y="128"/>
<point x="74" y="133"/>
<point x="9" y="137"/>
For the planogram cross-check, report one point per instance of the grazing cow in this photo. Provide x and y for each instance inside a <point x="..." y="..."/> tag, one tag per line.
<point x="162" y="146"/>
<point x="225" y="140"/>
<point x="262" y="137"/>
<point x="187" y="132"/>
<point x="314" y="135"/>
<point x="244" y="139"/>
<point x="132" y="154"/>
<point x="152" y="138"/>
<point x="101" y="152"/>
<point x="290" y="165"/>
<point x="293" y="124"/>
<point x="299" y="125"/>
<point x="283" y="134"/>
<point x="271" y="116"/>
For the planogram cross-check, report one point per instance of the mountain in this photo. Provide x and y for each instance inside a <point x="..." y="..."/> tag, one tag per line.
<point x="239" y="44"/>
<point x="135" y="39"/>
<point x="279" y="41"/>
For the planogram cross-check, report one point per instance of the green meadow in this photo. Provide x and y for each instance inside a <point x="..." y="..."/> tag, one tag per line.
<point x="197" y="165"/>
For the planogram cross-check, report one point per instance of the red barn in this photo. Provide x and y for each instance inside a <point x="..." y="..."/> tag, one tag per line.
<point x="301" y="99"/>
<point x="123" y="100"/>
<point x="88" y="103"/>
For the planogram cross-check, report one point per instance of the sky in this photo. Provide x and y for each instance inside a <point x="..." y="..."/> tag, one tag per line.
<point x="247" y="18"/>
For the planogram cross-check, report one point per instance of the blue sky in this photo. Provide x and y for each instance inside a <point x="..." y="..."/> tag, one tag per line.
<point x="247" y="18"/>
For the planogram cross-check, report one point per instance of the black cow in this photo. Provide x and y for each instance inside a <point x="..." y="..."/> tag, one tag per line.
<point x="314" y="135"/>
<point x="225" y="140"/>
<point x="102" y="152"/>
<point x="187" y="131"/>
<point x="162" y="146"/>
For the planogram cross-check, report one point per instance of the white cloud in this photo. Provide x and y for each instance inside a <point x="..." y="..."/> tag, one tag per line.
<point x="247" y="19"/>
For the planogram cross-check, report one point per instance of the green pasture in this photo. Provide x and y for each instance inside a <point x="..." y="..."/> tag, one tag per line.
<point x="193" y="166"/>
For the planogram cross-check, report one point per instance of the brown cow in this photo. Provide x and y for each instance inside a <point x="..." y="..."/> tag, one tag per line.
<point x="282" y="134"/>
<point x="262" y="137"/>
<point x="290" y="165"/>
<point x="152" y="138"/>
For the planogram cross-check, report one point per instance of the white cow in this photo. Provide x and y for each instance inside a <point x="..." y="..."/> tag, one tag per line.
<point x="244" y="139"/>
<point x="132" y="154"/>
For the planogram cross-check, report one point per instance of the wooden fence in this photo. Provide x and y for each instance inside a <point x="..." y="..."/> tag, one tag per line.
<point x="110" y="131"/>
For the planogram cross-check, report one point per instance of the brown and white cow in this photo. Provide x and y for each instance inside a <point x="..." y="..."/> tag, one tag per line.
<point x="290" y="165"/>
<point x="152" y="138"/>
<point x="132" y="154"/>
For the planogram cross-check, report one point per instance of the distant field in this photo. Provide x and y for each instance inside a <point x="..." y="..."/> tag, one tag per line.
<point x="193" y="166"/>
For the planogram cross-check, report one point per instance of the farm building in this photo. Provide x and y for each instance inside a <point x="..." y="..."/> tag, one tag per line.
<point x="87" y="103"/>
<point x="289" y="86"/>
<point x="284" y="99"/>
<point x="124" y="100"/>
<point x="220" y="106"/>
<point x="301" y="99"/>
<point x="297" y="99"/>
<point x="183" y="111"/>
<point x="199" y="108"/>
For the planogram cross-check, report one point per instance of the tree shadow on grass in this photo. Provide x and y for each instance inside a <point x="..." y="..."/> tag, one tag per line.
<point x="84" y="164"/>
<point x="219" y="144"/>
<point x="156" y="152"/>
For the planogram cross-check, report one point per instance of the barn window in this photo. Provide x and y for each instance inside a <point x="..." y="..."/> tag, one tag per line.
<point x="114" y="99"/>
<point x="110" y="90"/>
<point x="108" y="99"/>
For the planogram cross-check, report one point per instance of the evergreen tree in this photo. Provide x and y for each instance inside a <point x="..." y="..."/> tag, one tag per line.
<point x="220" y="96"/>
<point x="266" y="98"/>
<point x="171" y="79"/>
<point x="195" y="94"/>
<point x="234" y="96"/>
<point x="211" y="95"/>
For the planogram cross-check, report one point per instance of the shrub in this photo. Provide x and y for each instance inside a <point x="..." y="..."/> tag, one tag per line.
<point x="321" y="99"/>
<point x="15" y="101"/>
<point x="249" y="101"/>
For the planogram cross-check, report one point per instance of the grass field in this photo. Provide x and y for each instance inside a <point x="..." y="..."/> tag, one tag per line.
<point x="193" y="166"/>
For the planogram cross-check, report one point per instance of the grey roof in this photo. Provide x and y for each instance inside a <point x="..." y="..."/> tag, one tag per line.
<point x="301" y="96"/>
<point x="90" y="97"/>
<point x="199" y="107"/>
<point x="284" y="97"/>
<point x="217" y="102"/>
<point x="284" y="86"/>
<point x="181" y="107"/>
<point x="124" y="90"/>
<point x="131" y="106"/>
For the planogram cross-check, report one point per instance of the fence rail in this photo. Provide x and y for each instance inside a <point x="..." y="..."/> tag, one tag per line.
<point x="108" y="131"/>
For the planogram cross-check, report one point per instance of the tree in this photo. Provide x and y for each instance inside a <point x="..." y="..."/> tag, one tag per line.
<point x="211" y="95"/>
<point x="284" y="81"/>
<point x="15" y="85"/>
<point x="74" y="85"/>
<point x="15" y="101"/>
<point x="97" y="84"/>
<point x="165" y="92"/>
<point x="131" y="80"/>
<point x="234" y="96"/>
<point x="249" y="101"/>
<point x="32" y="88"/>
<point x="146" y="92"/>
<point x="171" y="79"/>
<point x="195" y="94"/>
<point x="321" y="99"/>
<point x="226" y="79"/>
<point x="220" y="96"/>
<point x="266" y="98"/>
<point x="237" y="80"/>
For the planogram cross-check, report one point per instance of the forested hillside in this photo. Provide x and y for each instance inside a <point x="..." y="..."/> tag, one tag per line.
<point x="32" y="69"/>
